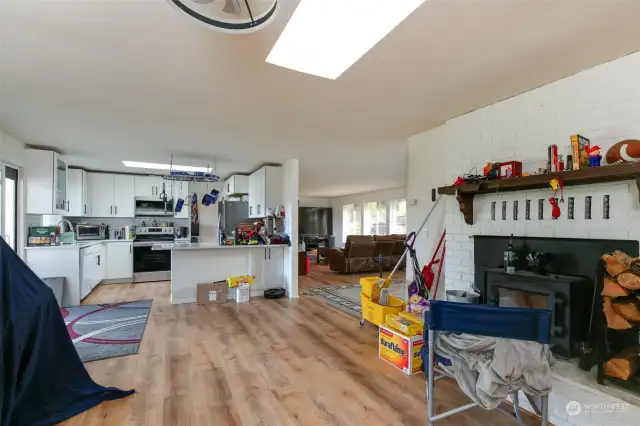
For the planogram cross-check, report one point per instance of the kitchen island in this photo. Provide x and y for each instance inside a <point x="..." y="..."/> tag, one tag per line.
<point x="202" y="263"/>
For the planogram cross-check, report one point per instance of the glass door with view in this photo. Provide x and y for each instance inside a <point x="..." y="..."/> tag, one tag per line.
<point x="9" y="204"/>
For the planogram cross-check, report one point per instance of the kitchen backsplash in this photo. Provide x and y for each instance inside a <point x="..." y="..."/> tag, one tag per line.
<point x="113" y="223"/>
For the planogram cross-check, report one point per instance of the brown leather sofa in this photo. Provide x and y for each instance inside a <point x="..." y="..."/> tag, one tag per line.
<point x="362" y="253"/>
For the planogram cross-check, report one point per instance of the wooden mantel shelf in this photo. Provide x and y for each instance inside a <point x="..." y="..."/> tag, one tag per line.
<point x="465" y="193"/>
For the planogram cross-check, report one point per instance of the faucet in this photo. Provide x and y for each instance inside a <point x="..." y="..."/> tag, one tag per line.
<point x="68" y="223"/>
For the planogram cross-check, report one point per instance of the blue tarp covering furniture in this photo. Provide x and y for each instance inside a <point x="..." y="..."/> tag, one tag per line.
<point x="42" y="380"/>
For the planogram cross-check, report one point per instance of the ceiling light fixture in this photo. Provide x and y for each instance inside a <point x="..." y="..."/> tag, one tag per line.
<point x="160" y="166"/>
<point x="230" y="16"/>
<point x="326" y="37"/>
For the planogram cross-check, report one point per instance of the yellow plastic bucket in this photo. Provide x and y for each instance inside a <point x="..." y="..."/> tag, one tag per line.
<point x="371" y="286"/>
<point x="377" y="314"/>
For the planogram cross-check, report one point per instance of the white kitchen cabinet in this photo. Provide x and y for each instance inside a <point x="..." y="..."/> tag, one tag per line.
<point x="101" y="194"/>
<point x="236" y="185"/>
<point x="91" y="269"/>
<point x="119" y="260"/>
<point x="77" y="192"/>
<point x="87" y="269"/>
<point x="111" y="195"/>
<point x="102" y="263"/>
<point x="86" y="200"/>
<point x="124" y="196"/>
<point x="267" y="267"/>
<point x="273" y="275"/>
<point x="46" y="182"/>
<point x="148" y="186"/>
<point x="265" y="191"/>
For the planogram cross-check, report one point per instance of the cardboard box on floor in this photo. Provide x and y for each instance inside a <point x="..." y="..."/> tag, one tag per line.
<point x="212" y="293"/>
<point x="403" y="352"/>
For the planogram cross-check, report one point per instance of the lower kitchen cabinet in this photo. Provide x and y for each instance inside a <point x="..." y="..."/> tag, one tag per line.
<point x="119" y="260"/>
<point x="90" y="270"/>
<point x="267" y="266"/>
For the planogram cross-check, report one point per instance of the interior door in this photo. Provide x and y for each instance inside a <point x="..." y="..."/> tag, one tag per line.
<point x="9" y="204"/>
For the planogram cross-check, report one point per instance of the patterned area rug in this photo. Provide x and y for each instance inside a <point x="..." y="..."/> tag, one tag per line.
<point x="107" y="331"/>
<point x="347" y="297"/>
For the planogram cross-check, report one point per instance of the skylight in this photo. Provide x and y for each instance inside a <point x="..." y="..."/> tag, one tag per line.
<point x="326" y="37"/>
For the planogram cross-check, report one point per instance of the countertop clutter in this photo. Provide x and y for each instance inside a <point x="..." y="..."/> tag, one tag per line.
<point x="209" y="246"/>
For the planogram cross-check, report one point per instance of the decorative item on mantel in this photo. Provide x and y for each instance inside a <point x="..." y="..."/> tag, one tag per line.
<point x="465" y="191"/>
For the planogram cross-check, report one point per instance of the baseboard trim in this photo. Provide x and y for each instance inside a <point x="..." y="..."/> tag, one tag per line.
<point x="182" y="301"/>
<point x="118" y="281"/>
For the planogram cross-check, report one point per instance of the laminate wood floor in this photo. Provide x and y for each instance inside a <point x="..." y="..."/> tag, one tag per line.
<point x="322" y="276"/>
<point x="284" y="362"/>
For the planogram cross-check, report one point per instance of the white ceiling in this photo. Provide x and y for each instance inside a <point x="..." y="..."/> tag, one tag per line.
<point x="106" y="80"/>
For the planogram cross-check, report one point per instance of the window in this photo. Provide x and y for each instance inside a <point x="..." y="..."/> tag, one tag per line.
<point x="398" y="217"/>
<point x="375" y="218"/>
<point x="351" y="220"/>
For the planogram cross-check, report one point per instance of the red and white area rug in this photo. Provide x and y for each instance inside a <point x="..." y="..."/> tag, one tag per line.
<point x="107" y="330"/>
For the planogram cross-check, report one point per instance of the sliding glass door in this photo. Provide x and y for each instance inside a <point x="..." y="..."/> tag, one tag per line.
<point x="9" y="204"/>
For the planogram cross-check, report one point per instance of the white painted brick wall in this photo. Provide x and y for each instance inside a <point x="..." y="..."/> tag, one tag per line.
<point x="603" y="104"/>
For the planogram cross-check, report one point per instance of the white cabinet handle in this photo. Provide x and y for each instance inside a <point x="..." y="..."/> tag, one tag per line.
<point x="116" y="210"/>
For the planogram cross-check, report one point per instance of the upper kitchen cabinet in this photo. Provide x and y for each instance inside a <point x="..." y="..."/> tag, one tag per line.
<point x="111" y="195"/>
<point x="236" y="186"/>
<point x="265" y="191"/>
<point x="148" y="186"/>
<point x="77" y="193"/>
<point x="46" y="182"/>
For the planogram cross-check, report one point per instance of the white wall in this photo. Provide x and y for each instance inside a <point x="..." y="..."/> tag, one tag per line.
<point x="423" y="174"/>
<point x="290" y="194"/>
<point x="11" y="149"/>
<point x="603" y="104"/>
<point x="315" y="202"/>
<point x="360" y="198"/>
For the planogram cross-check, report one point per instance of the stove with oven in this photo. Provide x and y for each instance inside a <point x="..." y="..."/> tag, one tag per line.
<point x="149" y="265"/>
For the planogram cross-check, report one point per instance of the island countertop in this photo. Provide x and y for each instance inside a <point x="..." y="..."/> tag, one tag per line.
<point x="212" y="246"/>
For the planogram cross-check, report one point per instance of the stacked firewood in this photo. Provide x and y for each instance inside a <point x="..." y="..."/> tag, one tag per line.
<point x="621" y="306"/>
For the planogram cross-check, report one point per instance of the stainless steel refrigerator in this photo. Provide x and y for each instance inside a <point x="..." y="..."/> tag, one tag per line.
<point x="232" y="213"/>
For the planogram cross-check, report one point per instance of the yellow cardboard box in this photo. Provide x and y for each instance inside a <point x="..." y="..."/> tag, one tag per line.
<point x="403" y="352"/>
<point x="240" y="280"/>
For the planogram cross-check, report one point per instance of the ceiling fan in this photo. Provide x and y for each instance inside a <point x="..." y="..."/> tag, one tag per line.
<point x="230" y="16"/>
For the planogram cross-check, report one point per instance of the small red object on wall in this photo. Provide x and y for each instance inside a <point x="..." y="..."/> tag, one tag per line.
<point x="510" y="169"/>
<point x="555" y="209"/>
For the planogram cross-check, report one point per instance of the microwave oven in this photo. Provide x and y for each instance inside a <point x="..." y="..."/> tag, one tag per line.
<point x="146" y="206"/>
<point x="85" y="232"/>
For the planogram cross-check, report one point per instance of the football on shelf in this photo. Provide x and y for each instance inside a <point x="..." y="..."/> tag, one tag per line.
<point x="626" y="151"/>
